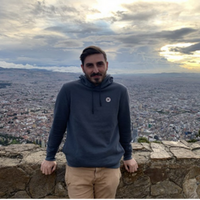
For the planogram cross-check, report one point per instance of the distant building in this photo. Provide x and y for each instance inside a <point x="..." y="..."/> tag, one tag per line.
<point x="43" y="144"/>
<point x="134" y="134"/>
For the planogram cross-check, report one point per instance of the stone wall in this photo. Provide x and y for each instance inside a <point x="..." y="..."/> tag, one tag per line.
<point x="166" y="170"/>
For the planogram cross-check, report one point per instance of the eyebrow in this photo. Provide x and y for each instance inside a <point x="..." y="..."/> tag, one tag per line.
<point x="88" y="64"/>
<point x="99" y="62"/>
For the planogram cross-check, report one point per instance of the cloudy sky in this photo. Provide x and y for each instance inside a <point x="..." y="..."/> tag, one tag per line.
<point x="139" y="36"/>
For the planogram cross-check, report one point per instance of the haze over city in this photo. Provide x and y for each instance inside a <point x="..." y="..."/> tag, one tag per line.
<point x="139" y="36"/>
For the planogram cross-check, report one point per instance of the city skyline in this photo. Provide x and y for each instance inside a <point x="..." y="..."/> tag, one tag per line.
<point x="138" y="36"/>
<point x="162" y="106"/>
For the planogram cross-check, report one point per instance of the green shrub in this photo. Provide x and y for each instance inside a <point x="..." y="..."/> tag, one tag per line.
<point x="143" y="140"/>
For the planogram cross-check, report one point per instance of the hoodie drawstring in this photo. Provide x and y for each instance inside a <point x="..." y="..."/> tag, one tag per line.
<point x="87" y="83"/>
<point x="100" y="103"/>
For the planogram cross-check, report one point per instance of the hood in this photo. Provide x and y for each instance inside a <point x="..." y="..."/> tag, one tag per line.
<point x="108" y="80"/>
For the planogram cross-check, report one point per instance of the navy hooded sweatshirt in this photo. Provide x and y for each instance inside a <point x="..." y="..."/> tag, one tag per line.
<point x="97" y="119"/>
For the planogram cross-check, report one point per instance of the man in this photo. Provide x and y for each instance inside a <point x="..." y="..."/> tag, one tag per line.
<point x="95" y="112"/>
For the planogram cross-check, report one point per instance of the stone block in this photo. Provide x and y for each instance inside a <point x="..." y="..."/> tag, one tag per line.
<point x="42" y="185"/>
<point x="12" y="179"/>
<point x="159" y="152"/>
<point x="183" y="153"/>
<point x="165" y="189"/>
<point x="157" y="174"/>
<point x="21" y="195"/>
<point x="191" y="185"/>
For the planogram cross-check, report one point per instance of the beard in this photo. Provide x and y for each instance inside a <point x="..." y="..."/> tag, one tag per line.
<point x="96" y="80"/>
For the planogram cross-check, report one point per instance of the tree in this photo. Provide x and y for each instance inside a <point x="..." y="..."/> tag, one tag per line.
<point x="14" y="141"/>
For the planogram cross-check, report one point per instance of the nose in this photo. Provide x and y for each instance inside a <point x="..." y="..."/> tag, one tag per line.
<point x="95" y="69"/>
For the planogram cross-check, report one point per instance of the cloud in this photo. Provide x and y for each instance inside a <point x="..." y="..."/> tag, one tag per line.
<point x="53" y="33"/>
<point x="155" y="38"/>
<point x="190" y="49"/>
<point x="81" y="29"/>
<point x="176" y="34"/>
<point x="72" y="69"/>
<point x="141" y="16"/>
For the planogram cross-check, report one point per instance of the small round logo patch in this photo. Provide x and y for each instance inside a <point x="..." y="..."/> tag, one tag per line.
<point x="108" y="99"/>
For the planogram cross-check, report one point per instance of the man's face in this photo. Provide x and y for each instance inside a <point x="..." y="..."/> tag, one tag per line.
<point x="95" y="68"/>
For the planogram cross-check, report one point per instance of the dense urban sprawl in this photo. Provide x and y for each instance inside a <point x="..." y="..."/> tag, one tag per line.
<point x="163" y="106"/>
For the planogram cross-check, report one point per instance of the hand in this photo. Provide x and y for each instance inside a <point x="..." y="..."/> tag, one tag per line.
<point x="131" y="165"/>
<point x="48" y="167"/>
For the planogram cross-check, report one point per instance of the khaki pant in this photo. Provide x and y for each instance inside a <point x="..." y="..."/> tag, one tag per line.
<point x="89" y="183"/>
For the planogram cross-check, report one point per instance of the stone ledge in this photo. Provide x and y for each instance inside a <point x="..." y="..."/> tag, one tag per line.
<point x="159" y="152"/>
<point x="166" y="170"/>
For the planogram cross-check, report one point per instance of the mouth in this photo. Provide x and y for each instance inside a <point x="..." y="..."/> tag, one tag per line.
<point x="96" y="75"/>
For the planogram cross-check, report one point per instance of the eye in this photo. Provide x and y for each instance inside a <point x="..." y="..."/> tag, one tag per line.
<point x="89" y="65"/>
<point x="100" y="64"/>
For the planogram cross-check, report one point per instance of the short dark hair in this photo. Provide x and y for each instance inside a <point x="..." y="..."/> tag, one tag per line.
<point x="90" y="51"/>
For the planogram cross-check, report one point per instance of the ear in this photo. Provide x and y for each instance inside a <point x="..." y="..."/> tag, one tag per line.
<point x="106" y="66"/>
<point x="82" y="68"/>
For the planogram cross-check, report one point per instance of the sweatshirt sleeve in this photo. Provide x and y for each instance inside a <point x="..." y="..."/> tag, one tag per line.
<point x="125" y="125"/>
<point x="61" y="115"/>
